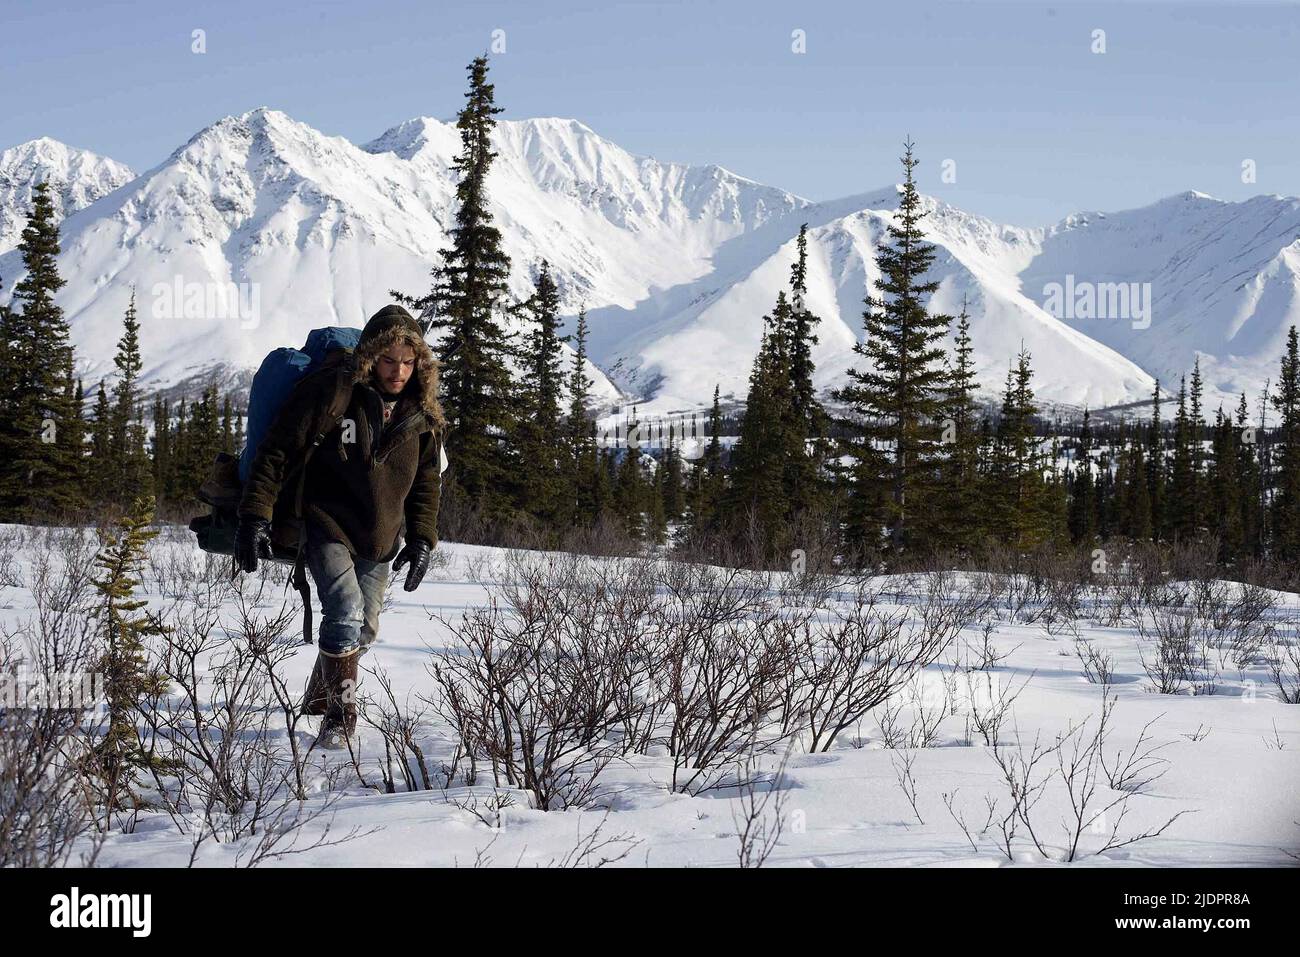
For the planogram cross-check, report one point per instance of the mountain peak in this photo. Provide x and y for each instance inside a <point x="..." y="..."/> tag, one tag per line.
<point x="79" y="177"/>
<point x="264" y="115"/>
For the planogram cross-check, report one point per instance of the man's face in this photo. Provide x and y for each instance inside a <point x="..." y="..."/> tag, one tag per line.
<point x="394" y="367"/>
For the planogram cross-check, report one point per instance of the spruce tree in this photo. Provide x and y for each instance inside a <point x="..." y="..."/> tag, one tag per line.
<point x="1132" y="492"/>
<point x="674" y="497"/>
<point x="901" y="394"/>
<point x="1251" y="482"/>
<point x="1021" y="506"/>
<point x="579" y="443"/>
<point x="1286" y="459"/>
<point x="657" y="520"/>
<point x="464" y="308"/>
<point x="960" y="511"/>
<point x="709" y="478"/>
<point x="128" y="461"/>
<point x="39" y="454"/>
<point x="1224" y="493"/>
<point x="101" y="449"/>
<point x="161" y="449"/>
<point x="128" y="677"/>
<point x="1083" y="499"/>
<point x="811" y="426"/>
<point x="1156" y="470"/>
<point x="771" y="437"/>
<point x="541" y="483"/>
<point x="630" y="493"/>
<point x="83" y="497"/>
<point x="1196" y="427"/>
<point x="1182" y="484"/>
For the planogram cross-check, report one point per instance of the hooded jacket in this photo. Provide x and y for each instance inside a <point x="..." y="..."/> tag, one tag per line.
<point x="366" y="480"/>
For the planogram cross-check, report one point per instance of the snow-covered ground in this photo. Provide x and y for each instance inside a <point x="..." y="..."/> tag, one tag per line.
<point x="1233" y="766"/>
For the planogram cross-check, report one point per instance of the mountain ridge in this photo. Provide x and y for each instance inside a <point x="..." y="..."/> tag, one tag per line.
<point x="676" y="263"/>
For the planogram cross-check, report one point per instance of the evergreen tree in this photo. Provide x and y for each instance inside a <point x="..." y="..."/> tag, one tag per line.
<point x="709" y="485"/>
<point x="1197" y="502"/>
<point x="39" y="457"/>
<point x="541" y="482"/>
<point x="198" y="440"/>
<point x="128" y="678"/>
<point x="1083" y="499"/>
<point x="1223" y="489"/>
<point x="1286" y="483"/>
<point x="811" y="427"/>
<point x="101" y="447"/>
<point x="658" y="517"/>
<point x="1132" y="491"/>
<point x="901" y="395"/>
<point x="582" y="465"/>
<point x="127" y="462"/>
<point x="771" y="437"/>
<point x="1021" y="506"/>
<point x="464" y="308"/>
<point x="1181" y="519"/>
<point x="1250" y="478"/>
<point x="77" y="440"/>
<point x="960" y="511"/>
<point x="674" y="499"/>
<point x="630" y="493"/>
<point x="1156" y="480"/>
<point x="161" y="449"/>
<point x="180" y="453"/>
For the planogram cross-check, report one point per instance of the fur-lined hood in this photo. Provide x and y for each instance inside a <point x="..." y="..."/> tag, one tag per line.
<point x="387" y="327"/>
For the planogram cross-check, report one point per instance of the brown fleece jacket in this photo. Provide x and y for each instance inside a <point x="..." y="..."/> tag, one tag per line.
<point x="364" y="480"/>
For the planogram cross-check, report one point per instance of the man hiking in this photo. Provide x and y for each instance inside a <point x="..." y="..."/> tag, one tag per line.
<point x="372" y="480"/>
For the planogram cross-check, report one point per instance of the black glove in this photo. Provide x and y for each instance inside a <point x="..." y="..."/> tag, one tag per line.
<point x="416" y="551"/>
<point x="252" y="541"/>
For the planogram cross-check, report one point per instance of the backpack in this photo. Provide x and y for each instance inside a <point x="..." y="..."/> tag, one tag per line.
<point x="280" y="373"/>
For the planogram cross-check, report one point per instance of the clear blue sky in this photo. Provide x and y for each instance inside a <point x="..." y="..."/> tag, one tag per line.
<point x="1037" y="124"/>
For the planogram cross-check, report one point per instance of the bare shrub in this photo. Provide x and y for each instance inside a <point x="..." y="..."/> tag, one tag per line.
<point x="760" y="816"/>
<point x="1284" y="660"/>
<point x="989" y="704"/>
<point x="1168" y="648"/>
<point x="224" y="768"/>
<point x="12" y="541"/>
<point x="860" y="658"/>
<point x="722" y="681"/>
<point x="1098" y="667"/>
<point x="530" y="688"/>
<point x="1080" y="774"/>
<point x="48" y="813"/>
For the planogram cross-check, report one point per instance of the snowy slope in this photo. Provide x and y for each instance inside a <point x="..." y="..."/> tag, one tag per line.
<point x="676" y="264"/>
<point x="321" y="230"/>
<point x="714" y="331"/>
<point x="1224" y="284"/>
<point x="78" y="178"/>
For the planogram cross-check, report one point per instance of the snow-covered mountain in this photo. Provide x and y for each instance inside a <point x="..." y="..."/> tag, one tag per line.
<point x="79" y="177"/>
<point x="1224" y="284"/>
<point x="676" y="264"/>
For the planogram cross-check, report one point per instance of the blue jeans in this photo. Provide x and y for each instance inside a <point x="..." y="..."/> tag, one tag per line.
<point x="351" y="592"/>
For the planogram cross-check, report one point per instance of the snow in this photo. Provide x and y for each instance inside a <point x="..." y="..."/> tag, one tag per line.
<point x="842" y="808"/>
<point x="676" y="264"/>
<point x="77" y="177"/>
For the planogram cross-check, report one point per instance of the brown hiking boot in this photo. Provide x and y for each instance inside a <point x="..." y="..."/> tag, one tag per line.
<point x="314" y="700"/>
<point x="339" y="676"/>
